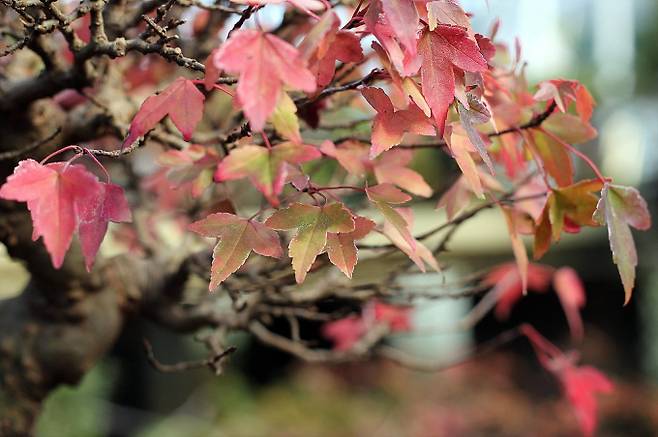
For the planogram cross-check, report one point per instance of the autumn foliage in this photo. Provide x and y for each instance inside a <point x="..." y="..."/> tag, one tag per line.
<point x="323" y="117"/>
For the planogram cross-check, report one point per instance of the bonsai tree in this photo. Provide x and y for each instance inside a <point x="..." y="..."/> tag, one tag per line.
<point x="258" y="173"/>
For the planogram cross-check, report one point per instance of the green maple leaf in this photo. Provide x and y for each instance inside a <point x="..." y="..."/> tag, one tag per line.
<point x="573" y="205"/>
<point x="620" y="208"/>
<point x="237" y="237"/>
<point x="267" y="168"/>
<point x="312" y="224"/>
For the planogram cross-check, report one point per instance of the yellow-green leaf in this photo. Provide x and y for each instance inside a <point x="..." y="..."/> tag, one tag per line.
<point x="312" y="224"/>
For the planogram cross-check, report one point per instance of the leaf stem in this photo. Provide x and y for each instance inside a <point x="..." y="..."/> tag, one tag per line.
<point x="91" y="155"/>
<point x="580" y="154"/>
<point x="57" y="152"/>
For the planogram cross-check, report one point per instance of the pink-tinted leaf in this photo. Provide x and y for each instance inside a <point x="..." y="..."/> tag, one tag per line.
<point x="569" y="128"/>
<point x="110" y="205"/>
<point x="312" y="224"/>
<point x="194" y="165"/>
<point x="397" y="317"/>
<point x="181" y="101"/>
<point x="344" y="333"/>
<point x="317" y="41"/>
<point x="446" y="12"/>
<point x="387" y="193"/>
<point x="571" y="292"/>
<point x="403" y="19"/>
<point x="581" y="385"/>
<point x="440" y="49"/>
<point x="341" y="248"/>
<point x="461" y="147"/>
<point x="459" y="195"/>
<point x="266" y="167"/>
<point x="212" y="73"/>
<point x="236" y="238"/>
<point x="487" y="48"/>
<point x="563" y="92"/>
<point x="621" y="207"/>
<point x="507" y="276"/>
<point x="324" y="44"/>
<point x="346" y="48"/>
<point x="377" y="22"/>
<point x="55" y="194"/>
<point x="518" y="247"/>
<point x="456" y="199"/>
<point x="391" y="168"/>
<point x="390" y="125"/>
<point x="265" y="62"/>
<point x="400" y="236"/>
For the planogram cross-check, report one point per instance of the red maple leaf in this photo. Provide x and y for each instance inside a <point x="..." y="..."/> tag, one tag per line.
<point x="571" y="292"/>
<point x="325" y="44"/>
<point x="265" y="62"/>
<point x="397" y="317"/>
<point x="507" y="276"/>
<point x="62" y="197"/>
<point x="443" y="50"/>
<point x="344" y="333"/>
<point x="390" y="125"/>
<point x="580" y="384"/>
<point x="109" y="206"/>
<point x="399" y="41"/>
<point x="181" y="101"/>
<point x="563" y="92"/>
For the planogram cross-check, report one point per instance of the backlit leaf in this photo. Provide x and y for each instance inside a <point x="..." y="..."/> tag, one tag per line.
<point x="446" y="12"/>
<point x="620" y="208"/>
<point x="284" y="119"/>
<point x="441" y="49"/>
<point x="265" y="62"/>
<point x="569" y="128"/>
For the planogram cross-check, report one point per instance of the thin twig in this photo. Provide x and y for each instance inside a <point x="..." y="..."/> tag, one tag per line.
<point x="369" y="78"/>
<point x="536" y="121"/>
<point x="13" y="154"/>
<point x="212" y="362"/>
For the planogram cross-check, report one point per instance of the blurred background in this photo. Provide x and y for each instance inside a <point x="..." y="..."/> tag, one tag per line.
<point x="609" y="45"/>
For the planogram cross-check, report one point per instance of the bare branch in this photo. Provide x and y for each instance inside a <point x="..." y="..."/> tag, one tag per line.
<point x="214" y="363"/>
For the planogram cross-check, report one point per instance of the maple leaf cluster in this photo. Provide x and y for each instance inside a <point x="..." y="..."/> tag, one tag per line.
<point x="437" y="85"/>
